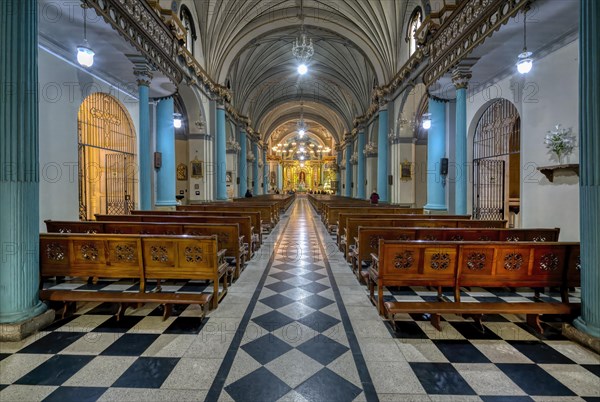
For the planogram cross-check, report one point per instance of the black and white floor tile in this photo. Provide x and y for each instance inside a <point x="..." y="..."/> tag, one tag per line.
<point x="296" y="326"/>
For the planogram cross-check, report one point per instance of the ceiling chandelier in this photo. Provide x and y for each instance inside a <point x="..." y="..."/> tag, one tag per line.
<point x="303" y="49"/>
<point x="301" y="125"/>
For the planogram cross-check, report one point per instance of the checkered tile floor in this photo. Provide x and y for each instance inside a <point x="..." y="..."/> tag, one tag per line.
<point x="298" y="327"/>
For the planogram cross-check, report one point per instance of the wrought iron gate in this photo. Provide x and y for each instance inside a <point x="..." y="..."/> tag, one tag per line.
<point x="496" y="136"/>
<point x="107" y="157"/>
<point x="489" y="189"/>
<point x="119" y="185"/>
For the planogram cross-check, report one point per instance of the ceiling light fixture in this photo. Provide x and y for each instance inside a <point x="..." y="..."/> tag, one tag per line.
<point x="85" y="54"/>
<point x="426" y="122"/>
<point x="525" y="62"/>
<point x="302" y="49"/>
<point x="177" y="121"/>
<point x="302" y="69"/>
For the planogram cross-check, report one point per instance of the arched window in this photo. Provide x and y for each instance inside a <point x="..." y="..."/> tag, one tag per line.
<point x="188" y="23"/>
<point x="411" y="33"/>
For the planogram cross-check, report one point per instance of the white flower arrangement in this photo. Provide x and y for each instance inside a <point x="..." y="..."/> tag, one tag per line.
<point x="561" y="141"/>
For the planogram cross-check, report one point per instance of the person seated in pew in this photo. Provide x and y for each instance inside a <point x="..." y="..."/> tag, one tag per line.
<point x="248" y="194"/>
<point x="374" y="197"/>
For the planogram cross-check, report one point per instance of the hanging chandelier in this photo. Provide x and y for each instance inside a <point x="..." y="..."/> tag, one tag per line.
<point x="302" y="48"/>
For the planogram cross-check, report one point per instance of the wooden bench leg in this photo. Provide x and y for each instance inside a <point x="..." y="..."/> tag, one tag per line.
<point x="168" y="310"/>
<point x="435" y="321"/>
<point x="533" y="320"/>
<point x="205" y="309"/>
<point x="68" y="307"/>
<point x="380" y="299"/>
<point x="371" y="285"/>
<point x="478" y="320"/>
<point x="393" y="322"/>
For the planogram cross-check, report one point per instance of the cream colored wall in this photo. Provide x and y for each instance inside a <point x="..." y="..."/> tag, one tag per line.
<point x="63" y="87"/>
<point x="549" y="97"/>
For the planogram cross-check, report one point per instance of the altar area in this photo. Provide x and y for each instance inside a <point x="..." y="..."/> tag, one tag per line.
<point x="305" y="176"/>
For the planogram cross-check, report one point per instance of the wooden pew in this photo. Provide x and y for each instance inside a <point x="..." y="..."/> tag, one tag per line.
<point x="183" y="211"/>
<point x="382" y="214"/>
<point x="228" y="234"/>
<point x="352" y="226"/>
<point x="243" y="222"/>
<point x="367" y="241"/>
<point x="137" y="257"/>
<point x="456" y="264"/>
<point x="267" y="211"/>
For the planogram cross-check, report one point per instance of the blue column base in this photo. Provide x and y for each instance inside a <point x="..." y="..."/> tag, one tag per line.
<point x="436" y="207"/>
<point x="166" y="203"/>
<point x="19" y="316"/>
<point x="591" y="330"/>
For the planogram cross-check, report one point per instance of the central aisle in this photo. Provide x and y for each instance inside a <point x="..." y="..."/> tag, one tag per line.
<point x="295" y="340"/>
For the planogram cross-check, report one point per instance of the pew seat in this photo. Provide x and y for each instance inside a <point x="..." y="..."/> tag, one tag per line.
<point x="128" y="299"/>
<point x="533" y="311"/>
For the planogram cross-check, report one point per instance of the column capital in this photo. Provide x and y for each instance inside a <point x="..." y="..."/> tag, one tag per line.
<point x="463" y="72"/>
<point x="461" y="77"/>
<point x="142" y="69"/>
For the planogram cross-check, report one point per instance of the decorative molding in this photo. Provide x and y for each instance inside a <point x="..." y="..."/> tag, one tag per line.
<point x="381" y="93"/>
<point x="467" y="27"/>
<point x="138" y="23"/>
<point x="461" y="77"/>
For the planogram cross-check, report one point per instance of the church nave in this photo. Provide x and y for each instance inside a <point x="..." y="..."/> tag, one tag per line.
<point x="295" y="326"/>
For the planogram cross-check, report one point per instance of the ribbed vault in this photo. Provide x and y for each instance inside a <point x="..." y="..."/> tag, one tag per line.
<point x="358" y="44"/>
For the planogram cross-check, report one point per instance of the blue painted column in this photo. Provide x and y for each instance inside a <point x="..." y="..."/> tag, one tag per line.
<point x="265" y="172"/>
<point x="348" y="192"/>
<point x="144" y="76"/>
<point x="221" y="157"/>
<point x="360" y="181"/>
<point x="589" y="165"/>
<point x="339" y="170"/>
<point x="436" y="149"/>
<point x="19" y="167"/>
<point x="165" y="144"/>
<point x="382" y="155"/>
<point x="243" y="164"/>
<point x="255" y="174"/>
<point x="460" y="78"/>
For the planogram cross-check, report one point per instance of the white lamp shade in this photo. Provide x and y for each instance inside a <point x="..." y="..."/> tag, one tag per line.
<point x="524" y="63"/>
<point x="427" y="123"/>
<point x="301" y="132"/>
<point x="524" y="66"/>
<point x="85" y="56"/>
<point x="177" y="123"/>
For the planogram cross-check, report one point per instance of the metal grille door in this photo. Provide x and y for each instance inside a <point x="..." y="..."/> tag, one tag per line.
<point x="107" y="157"/>
<point x="497" y="135"/>
<point x="119" y="187"/>
<point x="489" y="187"/>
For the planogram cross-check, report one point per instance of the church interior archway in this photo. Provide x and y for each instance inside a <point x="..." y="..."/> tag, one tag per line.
<point x="496" y="162"/>
<point x="107" y="157"/>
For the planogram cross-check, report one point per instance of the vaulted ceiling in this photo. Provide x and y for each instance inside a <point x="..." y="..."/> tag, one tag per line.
<point x="248" y="43"/>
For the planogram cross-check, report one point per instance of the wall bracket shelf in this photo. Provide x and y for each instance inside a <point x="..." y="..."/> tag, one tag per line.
<point x="548" y="171"/>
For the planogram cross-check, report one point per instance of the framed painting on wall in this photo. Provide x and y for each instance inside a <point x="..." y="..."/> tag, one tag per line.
<point x="197" y="169"/>
<point x="406" y="170"/>
<point x="182" y="171"/>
